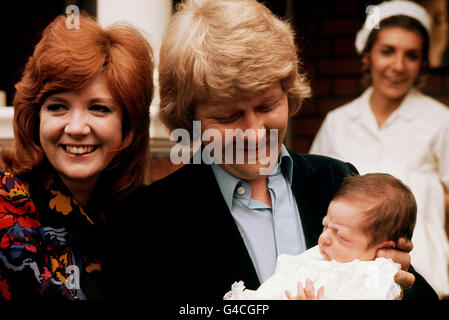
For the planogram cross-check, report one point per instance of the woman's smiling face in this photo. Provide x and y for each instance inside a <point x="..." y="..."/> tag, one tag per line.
<point x="79" y="130"/>
<point x="395" y="61"/>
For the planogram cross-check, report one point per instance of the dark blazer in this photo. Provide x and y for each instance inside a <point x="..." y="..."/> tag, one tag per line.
<point x="200" y="250"/>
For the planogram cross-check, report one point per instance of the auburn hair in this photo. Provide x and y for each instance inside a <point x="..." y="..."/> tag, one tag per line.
<point x="66" y="59"/>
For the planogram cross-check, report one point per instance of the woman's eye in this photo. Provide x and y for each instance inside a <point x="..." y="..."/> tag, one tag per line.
<point x="413" y="56"/>
<point x="386" y="51"/>
<point x="56" y="107"/>
<point x="100" y="108"/>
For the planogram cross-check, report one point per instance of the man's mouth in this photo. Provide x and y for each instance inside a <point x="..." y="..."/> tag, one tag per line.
<point x="79" y="149"/>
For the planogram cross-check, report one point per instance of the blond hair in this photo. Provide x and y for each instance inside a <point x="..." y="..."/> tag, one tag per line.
<point x="220" y="50"/>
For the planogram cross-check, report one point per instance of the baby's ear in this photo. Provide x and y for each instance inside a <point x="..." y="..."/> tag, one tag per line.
<point x="387" y="244"/>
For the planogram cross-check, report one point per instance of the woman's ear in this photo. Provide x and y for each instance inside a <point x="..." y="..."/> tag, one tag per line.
<point x="366" y="60"/>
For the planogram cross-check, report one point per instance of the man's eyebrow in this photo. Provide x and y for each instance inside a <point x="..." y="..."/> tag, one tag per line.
<point x="272" y="98"/>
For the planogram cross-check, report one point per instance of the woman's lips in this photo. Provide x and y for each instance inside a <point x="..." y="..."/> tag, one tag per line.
<point x="79" y="149"/>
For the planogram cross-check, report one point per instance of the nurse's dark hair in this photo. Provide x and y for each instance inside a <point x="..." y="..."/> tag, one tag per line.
<point x="66" y="59"/>
<point x="407" y="23"/>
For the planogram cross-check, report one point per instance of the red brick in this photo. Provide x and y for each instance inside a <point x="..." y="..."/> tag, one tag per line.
<point x="318" y="48"/>
<point x="446" y="84"/>
<point x="344" y="46"/>
<point x="434" y="84"/>
<point x="302" y="144"/>
<point x="308" y="107"/>
<point x="346" y="7"/>
<point x="342" y="26"/>
<point x="339" y="67"/>
<point x="320" y="86"/>
<point x="443" y="99"/>
<point x="345" y="87"/>
<point x="328" y="104"/>
<point x="306" y="125"/>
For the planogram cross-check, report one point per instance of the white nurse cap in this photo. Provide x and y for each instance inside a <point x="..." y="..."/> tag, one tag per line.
<point x="388" y="9"/>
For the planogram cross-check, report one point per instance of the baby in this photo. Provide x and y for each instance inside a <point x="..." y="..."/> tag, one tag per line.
<point x="368" y="212"/>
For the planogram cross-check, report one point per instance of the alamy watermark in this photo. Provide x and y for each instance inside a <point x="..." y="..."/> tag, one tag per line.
<point x="373" y="18"/>
<point x="234" y="147"/>
<point x="73" y="17"/>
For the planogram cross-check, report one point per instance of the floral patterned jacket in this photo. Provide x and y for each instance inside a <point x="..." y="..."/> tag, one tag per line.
<point x="49" y="247"/>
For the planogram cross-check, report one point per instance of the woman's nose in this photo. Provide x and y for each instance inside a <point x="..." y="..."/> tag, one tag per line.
<point x="77" y="124"/>
<point x="398" y="63"/>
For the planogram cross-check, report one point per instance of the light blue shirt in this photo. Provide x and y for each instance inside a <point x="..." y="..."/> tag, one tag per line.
<point x="266" y="231"/>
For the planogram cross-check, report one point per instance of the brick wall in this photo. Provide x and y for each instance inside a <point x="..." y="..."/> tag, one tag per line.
<point x="326" y="31"/>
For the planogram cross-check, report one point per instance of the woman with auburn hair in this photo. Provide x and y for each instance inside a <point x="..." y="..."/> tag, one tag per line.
<point x="81" y="126"/>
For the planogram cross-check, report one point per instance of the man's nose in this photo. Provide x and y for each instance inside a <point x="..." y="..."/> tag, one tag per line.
<point x="77" y="124"/>
<point x="253" y="120"/>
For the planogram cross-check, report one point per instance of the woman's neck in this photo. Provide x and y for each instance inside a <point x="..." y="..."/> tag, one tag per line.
<point x="383" y="107"/>
<point x="80" y="190"/>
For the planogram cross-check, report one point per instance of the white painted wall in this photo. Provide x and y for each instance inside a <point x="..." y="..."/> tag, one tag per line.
<point x="151" y="17"/>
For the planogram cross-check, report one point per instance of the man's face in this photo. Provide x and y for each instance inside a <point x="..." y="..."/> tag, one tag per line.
<point x="267" y="111"/>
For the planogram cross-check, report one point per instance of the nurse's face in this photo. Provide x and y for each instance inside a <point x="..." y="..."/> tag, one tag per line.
<point x="395" y="60"/>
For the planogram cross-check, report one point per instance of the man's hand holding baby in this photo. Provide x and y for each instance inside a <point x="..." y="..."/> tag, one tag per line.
<point x="400" y="254"/>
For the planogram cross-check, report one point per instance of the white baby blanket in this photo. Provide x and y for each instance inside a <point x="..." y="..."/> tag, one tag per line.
<point x="356" y="280"/>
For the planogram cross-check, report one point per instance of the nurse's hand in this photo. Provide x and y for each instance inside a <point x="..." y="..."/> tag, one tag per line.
<point x="401" y="255"/>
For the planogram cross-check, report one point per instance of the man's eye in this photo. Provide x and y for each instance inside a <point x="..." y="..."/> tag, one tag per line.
<point x="265" y="109"/>
<point x="229" y="119"/>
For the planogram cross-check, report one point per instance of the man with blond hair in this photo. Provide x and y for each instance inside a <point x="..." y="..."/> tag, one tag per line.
<point x="233" y="65"/>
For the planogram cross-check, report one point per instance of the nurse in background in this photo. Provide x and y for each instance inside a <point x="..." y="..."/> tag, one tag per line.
<point x="394" y="128"/>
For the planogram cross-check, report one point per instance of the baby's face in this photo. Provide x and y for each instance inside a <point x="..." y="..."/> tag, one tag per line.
<point x="342" y="238"/>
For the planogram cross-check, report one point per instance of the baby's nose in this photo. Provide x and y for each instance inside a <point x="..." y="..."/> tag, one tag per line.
<point x="324" y="239"/>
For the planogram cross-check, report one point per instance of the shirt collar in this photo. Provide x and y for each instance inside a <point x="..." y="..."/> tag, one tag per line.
<point x="408" y="108"/>
<point x="228" y="182"/>
<point x="286" y="163"/>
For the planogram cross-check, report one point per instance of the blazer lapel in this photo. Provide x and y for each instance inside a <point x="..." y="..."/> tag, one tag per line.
<point x="311" y="190"/>
<point x="232" y="258"/>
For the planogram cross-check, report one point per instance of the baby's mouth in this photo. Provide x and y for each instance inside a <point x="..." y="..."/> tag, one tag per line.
<point x="324" y="254"/>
